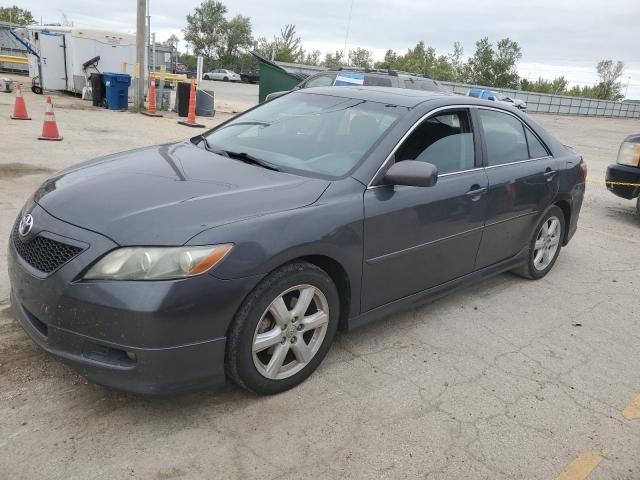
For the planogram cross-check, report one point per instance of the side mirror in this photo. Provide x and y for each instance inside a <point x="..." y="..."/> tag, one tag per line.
<point x="412" y="173"/>
<point x="491" y="98"/>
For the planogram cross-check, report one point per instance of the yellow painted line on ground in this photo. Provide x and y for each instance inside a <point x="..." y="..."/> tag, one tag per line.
<point x="604" y="182"/>
<point x="610" y="234"/>
<point x="632" y="411"/>
<point x="581" y="467"/>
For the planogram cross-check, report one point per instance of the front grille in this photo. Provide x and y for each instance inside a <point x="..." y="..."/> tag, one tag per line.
<point x="43" y="253"/>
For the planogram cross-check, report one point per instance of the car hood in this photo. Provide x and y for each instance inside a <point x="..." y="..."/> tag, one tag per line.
<point x="166" y="194"/>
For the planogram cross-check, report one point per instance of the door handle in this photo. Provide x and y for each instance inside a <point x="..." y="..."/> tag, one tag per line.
<point x="476" y="191"/>
<point x="549" y="174"/>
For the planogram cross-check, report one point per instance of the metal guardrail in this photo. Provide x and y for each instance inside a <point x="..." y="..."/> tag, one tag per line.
<point x="559" y="104"/>
<point x="13" y="59"/>
<point x="169" y="77"/>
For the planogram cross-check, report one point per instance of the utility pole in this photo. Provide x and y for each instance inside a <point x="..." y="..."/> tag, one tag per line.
<point x="346" y="36"/>
<point x="140" y="52"/>
<point x="626" y="90"/>
<point x="147" y="47"/>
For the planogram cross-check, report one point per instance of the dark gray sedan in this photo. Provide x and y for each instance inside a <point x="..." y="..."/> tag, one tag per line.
<point x="240" y="253"/>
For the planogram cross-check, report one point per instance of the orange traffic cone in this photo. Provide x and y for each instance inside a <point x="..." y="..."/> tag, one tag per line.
<point x="49" y="126"/>
<point x="152" y="100"/>
<point x="191" y="117"/>
<point x="19" y="108"/>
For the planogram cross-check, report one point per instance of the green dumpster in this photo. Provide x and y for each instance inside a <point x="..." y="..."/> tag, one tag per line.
<point x="274" y="78"/>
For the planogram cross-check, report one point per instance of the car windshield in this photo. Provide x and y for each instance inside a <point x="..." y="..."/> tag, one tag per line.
<point x="307" y="133"/>
<point x="421" y="84"/>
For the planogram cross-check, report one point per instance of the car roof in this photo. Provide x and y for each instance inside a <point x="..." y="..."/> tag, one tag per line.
<point x="402" y="97"/>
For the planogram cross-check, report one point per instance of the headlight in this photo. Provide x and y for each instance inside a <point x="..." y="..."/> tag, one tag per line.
<point x="157" y="263"/>
<point x="629" y="154"/>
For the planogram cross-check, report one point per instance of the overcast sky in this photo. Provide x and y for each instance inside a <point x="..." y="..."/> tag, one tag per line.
<point x="557" y="37"/>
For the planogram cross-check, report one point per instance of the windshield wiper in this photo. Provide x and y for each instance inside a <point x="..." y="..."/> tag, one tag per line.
<point x="245" y="157"/>
<point x="242" y="156"/>
<point x="210" y="148"/>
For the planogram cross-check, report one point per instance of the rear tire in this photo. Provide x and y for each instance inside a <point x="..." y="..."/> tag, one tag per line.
<point x="638" y="205"/>
<point x="544" y="246"/>
<point x="225" y="79"/>
<point x="273" y="343"/>
<point x="205" y="77"/>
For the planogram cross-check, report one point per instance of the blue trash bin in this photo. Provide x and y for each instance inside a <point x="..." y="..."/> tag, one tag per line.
<point x="117" y="90"/>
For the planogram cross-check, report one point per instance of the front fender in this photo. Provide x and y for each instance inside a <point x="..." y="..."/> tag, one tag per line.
<point x="332" y="227"/>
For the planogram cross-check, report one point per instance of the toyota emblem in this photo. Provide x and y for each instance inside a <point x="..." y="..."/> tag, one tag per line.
<point x="26" y="224"/>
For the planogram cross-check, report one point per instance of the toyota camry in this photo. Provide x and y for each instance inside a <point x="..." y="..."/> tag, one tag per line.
<point x="239" y="254"/>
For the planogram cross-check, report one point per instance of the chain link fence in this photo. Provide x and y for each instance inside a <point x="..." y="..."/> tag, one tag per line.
<point x="559" y="104"/>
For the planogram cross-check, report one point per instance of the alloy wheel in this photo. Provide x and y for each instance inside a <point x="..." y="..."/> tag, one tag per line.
<point x="290" y="332"/>
<point x="547" y="242"/>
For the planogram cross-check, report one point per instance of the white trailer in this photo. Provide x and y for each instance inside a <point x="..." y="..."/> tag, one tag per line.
<point x="58" y="54"/>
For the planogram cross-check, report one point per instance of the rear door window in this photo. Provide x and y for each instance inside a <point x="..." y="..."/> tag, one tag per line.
<point x="504" y="137"/>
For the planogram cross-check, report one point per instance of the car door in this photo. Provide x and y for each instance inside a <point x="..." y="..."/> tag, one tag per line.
<point x="418" y="237"/>
<point x="523" y="182"/>
<point x="216" y="75"/>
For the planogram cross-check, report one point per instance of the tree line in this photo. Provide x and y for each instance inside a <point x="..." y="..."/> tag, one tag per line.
<point x="225" y="43"/>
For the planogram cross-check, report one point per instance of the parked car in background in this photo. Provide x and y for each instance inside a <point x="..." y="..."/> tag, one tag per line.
<point x="626" y="170"/>
<point x="240" y="252"/>
<point x="181" y="68"/>
<point x="496" y="97"/>
<point x="517" y="102"/>
<point x="222" y="74"/>
<point x="250" y="77"/>
<point x="367" y="78"/>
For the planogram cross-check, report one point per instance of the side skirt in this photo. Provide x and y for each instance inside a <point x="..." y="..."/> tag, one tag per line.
<point x="433" y="293"/>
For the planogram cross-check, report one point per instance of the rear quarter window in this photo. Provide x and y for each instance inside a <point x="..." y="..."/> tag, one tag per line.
<point x="536" y="149"/>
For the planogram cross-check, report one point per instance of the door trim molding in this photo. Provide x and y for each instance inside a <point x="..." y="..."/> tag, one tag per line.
<point x="527" y="214"/>
<point x="404" y="251"/>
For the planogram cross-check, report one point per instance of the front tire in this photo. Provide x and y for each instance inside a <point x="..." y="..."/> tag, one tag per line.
<point x="283" y="330"/>
<point x="545" y="245"/>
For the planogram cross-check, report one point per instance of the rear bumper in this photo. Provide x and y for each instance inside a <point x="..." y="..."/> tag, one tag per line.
<point x="625" y="174"/>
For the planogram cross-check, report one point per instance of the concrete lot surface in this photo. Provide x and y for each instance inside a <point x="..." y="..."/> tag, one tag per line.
<point x="511" y="379"/>
<point x="232" y="96"/>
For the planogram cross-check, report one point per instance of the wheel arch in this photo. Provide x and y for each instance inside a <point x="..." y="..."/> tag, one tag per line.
<point x="340" y="278"/>
<point x="337" y="273"/>
<point x="565" y="206"/>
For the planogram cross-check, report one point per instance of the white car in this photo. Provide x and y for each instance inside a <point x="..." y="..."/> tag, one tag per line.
<point x="221" y="74"/>
<point x="516" y="102"/>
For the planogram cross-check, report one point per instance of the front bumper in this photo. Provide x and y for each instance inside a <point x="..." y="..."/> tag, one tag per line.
<point x="624" y="174"/>
<point x="149" y="371"/>
<point x="144" y="337"/>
